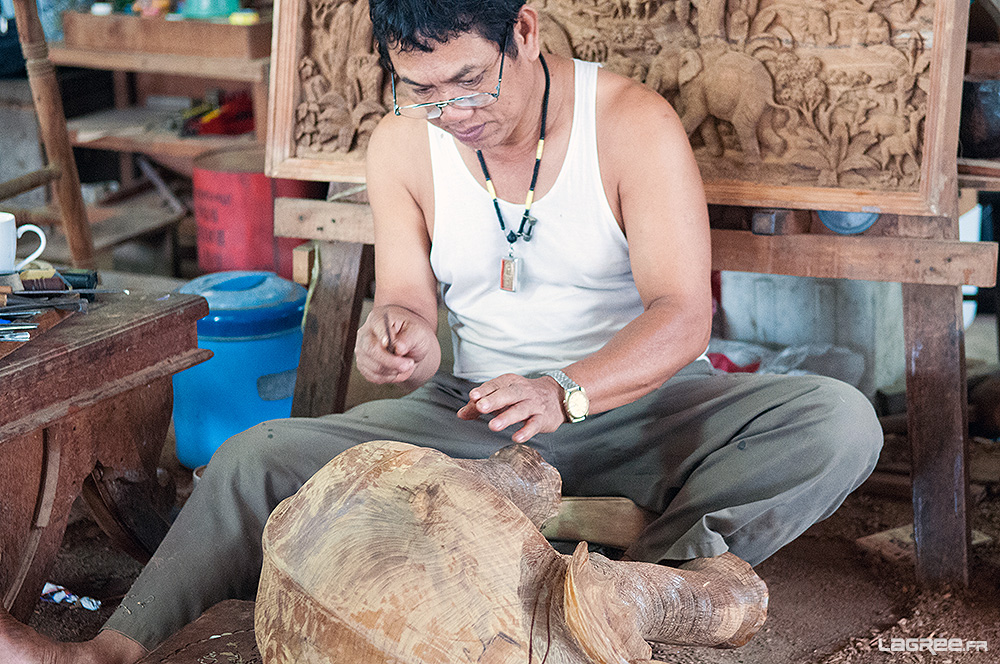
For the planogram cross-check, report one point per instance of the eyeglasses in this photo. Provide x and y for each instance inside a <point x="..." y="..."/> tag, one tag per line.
<point x="433" y="109"/>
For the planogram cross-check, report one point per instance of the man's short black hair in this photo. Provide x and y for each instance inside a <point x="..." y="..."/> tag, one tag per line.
<point x="417" y="25"/>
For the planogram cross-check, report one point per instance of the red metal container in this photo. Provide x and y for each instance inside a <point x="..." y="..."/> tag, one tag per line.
<point x="234" y="211"/>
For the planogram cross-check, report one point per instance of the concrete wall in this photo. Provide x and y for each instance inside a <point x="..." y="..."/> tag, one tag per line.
<point x="864" y="316"/>
<point x="19" y="145"/>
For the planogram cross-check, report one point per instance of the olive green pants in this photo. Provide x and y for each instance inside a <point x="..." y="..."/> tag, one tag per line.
<point x="740" y="463"/>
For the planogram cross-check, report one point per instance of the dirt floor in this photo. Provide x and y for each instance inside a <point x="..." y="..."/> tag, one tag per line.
<point x="831" y="602"/>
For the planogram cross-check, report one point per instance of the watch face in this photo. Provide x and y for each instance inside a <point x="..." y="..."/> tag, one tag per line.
<point x="577" y="404"/>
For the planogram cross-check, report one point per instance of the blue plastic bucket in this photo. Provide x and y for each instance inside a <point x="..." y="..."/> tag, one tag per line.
<point x="254" y="329"/>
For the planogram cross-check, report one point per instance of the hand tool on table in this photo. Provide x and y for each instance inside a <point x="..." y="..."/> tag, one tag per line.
<point x="65" y="304"/>
<point x="79" y="291"/>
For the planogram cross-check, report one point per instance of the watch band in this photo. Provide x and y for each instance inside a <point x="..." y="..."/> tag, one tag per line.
<point x="564" y="381"/>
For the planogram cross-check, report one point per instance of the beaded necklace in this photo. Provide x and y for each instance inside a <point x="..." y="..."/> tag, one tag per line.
<point x="510" y="267"/>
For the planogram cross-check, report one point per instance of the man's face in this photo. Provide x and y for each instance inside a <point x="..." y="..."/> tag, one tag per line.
<point x="462" y="66"/>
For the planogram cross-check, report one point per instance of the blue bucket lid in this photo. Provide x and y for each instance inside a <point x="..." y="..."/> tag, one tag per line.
<point x="247" y="304"/>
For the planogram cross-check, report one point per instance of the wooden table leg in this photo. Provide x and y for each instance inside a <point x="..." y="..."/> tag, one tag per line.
<point x="937" y="420"/>
<point x="124" y="433"/>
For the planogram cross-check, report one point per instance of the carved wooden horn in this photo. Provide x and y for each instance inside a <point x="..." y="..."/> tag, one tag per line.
<point x="718" y="602"/>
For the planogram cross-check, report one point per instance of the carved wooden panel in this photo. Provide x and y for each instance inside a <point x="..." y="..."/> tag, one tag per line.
<point x="822" y="104"/>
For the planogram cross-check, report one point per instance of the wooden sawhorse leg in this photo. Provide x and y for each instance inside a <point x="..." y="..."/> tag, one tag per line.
<point x="345" y="271"/>
<point x="937" y="421"/>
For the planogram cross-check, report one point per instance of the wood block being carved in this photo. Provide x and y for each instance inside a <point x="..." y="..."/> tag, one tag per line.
<point x="396" y="553"/>
<point x="827" y="104"/>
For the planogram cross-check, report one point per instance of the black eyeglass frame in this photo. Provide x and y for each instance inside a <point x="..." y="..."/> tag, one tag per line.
<point x="440" y="105"/>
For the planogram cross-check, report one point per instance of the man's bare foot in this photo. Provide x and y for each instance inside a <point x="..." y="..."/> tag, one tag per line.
<point x="21" y="644"/>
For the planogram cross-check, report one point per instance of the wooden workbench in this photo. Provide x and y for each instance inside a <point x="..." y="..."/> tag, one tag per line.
<point x="88" y="400"/>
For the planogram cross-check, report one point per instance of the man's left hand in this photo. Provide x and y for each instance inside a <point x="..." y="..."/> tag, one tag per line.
<point x="535" y="401"/>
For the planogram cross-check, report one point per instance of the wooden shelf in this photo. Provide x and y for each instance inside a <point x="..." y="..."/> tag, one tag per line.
<point x="112" y="225"/>
<point x="253" y="71"/>
<point x="227" y="69"/>
<point x="144" y="131"/>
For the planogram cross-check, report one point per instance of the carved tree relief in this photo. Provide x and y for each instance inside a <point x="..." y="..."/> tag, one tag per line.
<point x="827" y="93"/>
<point x="340" y="79"/>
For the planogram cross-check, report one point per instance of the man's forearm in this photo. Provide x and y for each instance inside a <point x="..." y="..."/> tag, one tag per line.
<point x="643" y="355"/>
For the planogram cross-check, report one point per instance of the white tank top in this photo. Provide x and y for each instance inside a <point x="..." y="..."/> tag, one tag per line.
<point x="576" y="288"/>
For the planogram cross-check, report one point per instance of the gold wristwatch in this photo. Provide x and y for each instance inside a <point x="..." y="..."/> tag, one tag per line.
<point x="576" y="405"/>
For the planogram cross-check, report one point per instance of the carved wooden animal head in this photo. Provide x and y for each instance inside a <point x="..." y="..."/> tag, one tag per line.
<point x="395" y="553"/>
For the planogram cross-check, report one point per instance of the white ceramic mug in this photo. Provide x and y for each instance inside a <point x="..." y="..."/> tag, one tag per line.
<point x="9" y="234"/>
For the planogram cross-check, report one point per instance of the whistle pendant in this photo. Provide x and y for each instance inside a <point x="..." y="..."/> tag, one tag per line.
<point x="510" y="274"/>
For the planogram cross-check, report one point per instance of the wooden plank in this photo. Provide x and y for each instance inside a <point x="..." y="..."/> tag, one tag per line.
<point x="979" y="182"/>
<point x="134" y="33"/>
<point x="303" y="260"/>
<point x="350" y="168"/>
<point x="612" y="521"/>
<point x="85" y="399"/>
<point x="125" y="224"/>
<point x="284" y="88"/>
<point x="938" y="177"/>
<point x="754" y="194"/>
<point x="981" y="167"/>
<point x="330" y="221"/>
<point x="258" y="94"/>
<point x="331" y="326"/>
<point x="984" y="59"/>
<point x="906" y="260"/>
<point x="22" y="468"/>
<point x="27" y="182"/>
<point x="227" y="69"/>
<point x="937" y="421"/>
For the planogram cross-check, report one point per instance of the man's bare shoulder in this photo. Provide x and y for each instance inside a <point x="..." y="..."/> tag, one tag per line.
<point x="630" y="115"/>
<point x="398" y="145"/>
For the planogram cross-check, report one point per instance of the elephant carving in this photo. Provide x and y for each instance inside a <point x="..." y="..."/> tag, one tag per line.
<point x="730" y="86"/>
<point x="663" y="73"/>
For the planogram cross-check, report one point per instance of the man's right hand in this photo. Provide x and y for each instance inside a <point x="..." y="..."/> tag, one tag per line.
<point x="395" y="345"/>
